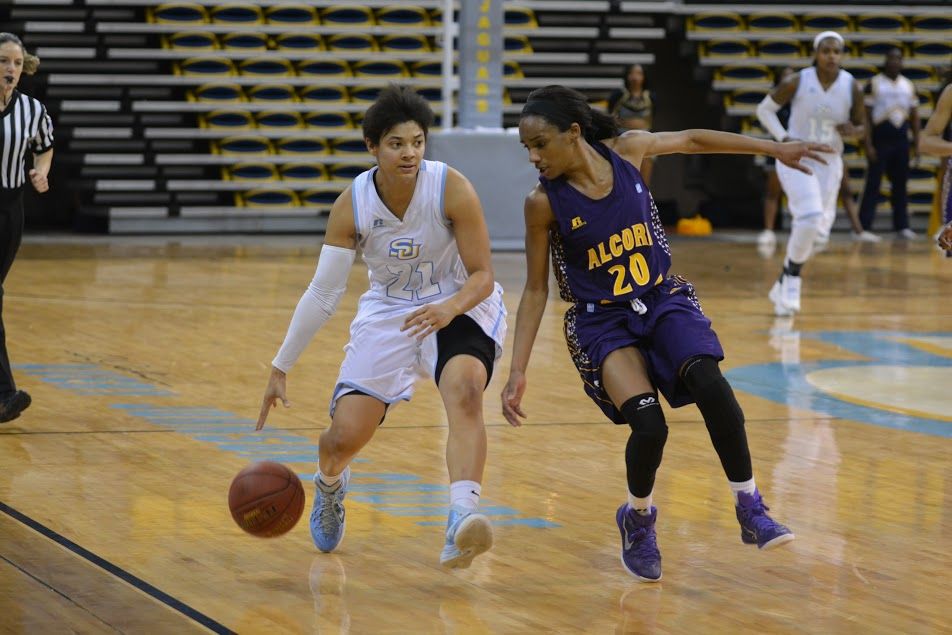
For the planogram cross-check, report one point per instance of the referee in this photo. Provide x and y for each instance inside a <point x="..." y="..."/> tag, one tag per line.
<point x="24" y="125"/>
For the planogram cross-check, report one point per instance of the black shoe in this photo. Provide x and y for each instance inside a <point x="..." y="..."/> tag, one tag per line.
<point x="12" y="406"/>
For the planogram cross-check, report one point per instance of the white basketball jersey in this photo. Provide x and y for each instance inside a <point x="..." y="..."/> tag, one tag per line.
<point x="815" y="113"/>
<point x="415" y="261"/>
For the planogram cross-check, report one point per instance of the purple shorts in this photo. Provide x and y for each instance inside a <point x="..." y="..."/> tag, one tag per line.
<point x="672" y="331"/>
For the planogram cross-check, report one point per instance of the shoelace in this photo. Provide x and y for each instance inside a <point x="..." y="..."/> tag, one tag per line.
<point x="329" y="512"/>
<point x="756" y="515"/>
<point x="642" y="539"/>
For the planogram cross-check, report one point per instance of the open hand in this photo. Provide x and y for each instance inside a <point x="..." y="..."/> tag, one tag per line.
<point x="428" y="319"/>
<point x="791" y="152"/>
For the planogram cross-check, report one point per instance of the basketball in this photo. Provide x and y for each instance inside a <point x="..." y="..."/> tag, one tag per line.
<point x="266" y="499"/>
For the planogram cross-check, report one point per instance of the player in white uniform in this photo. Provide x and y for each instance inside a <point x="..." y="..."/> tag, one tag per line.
<point x="826" y="104"/>
<point x="432" y="310"/>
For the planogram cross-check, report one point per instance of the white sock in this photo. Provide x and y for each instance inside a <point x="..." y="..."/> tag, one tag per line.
<point x="465" y="495"/>
<point x="328" y="480"/>
<point x="748" y="487"/>
<point x="640" y="505"/>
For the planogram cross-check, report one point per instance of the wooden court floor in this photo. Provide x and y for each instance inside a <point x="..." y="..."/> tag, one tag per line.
<point x="147" y="357"/>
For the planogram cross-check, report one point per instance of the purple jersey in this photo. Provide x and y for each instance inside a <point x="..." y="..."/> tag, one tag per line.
<point x="610" y="249"/>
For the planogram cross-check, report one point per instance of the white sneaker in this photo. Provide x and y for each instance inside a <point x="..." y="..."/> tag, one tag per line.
<point x="767" y="237"/>
<point x="866" y="236"/>
<point x="790" y="292"/>
<point x="907" y="234"/>
<point x="776" y="296"/>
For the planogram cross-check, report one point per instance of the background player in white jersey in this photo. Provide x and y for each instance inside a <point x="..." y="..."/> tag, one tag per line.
<point x="433" y="309"/>
<point x="826" y="104"/>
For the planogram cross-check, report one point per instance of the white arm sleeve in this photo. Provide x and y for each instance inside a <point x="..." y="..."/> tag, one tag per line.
<point x="317" y="304"/>
<point x="767" y="114"/>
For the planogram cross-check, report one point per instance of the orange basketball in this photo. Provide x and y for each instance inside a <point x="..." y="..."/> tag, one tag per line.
<point x="266" y="499"/>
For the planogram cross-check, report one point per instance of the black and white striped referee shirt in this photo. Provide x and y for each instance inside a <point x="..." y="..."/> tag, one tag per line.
<point x="24" y="125"/>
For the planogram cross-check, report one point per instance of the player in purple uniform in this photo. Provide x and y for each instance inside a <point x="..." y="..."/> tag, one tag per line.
<point x="632" y="329"/>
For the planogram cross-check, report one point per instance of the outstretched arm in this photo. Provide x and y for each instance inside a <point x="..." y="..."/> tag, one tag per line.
<point x="638" y="144"/>
<point x="930" y="140"/>
<point x="539" y="218"/>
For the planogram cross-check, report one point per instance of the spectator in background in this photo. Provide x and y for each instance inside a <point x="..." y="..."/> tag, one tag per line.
<point x="633" y="107"/>
<point x="892" y="110"/>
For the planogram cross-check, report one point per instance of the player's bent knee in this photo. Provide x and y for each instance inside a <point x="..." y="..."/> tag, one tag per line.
<point x="646" y="419"/>
<point x="713" y="395"/>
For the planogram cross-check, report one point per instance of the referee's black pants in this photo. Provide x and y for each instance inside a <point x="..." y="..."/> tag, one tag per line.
<point x="892" y="157"/>
<point x="11" y="232"/>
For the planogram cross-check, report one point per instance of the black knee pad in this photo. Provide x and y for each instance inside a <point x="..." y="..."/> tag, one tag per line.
<point x="714" y="397"/>
<point x="643" y="413"/>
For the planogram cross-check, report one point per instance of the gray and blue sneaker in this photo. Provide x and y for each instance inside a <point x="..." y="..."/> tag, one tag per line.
<point x="756" y="527"/>
<point x="468" y="534"/>
<point x="639" y="544"/>
<point x="327" y="515"/>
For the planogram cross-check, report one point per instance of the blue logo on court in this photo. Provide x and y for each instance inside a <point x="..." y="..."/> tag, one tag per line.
<point x="886" y="378"/>
<point x="404" y="249"/>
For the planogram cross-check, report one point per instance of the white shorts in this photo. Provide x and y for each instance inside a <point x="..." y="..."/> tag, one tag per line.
<point x="384" y="362"/>
<point x="813" y="193"/>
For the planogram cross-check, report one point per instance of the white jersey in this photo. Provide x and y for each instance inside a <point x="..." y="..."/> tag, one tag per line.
<point x="815" y="113"/>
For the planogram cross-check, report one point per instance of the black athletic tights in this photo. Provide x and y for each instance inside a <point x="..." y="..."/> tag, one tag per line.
<point x="11" y="232"/>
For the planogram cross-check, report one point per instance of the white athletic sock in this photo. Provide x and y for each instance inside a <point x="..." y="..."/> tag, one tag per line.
<point x="748" y="487"/>
<point x="328" y="480"/>
<point x="465" y="495"/>
<point x="640" y="505"/>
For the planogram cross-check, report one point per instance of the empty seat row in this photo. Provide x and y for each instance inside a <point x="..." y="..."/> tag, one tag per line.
<point x="768" y="22"/>
<point x="934" y="51"/>
<point x="758" y="73"/>
<point x="258" y="171"/>
<point x="271" y="66"/>
<point x="320" y="95"/>
<point x="251" y="145"/>
<point x="283" y="197"/>
<point x="283" y="120"/>
<point x="299" y="14"/>
<point x="205" y="41"/>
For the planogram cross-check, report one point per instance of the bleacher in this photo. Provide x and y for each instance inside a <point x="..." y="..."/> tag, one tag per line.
<point x="746" y="48"/>
<point x="233" y="116"/>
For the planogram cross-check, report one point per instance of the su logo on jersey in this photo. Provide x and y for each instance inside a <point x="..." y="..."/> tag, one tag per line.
<point x="404" y="249"/>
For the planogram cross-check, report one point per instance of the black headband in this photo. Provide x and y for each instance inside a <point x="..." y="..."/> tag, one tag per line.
<point x="549" y="110"/>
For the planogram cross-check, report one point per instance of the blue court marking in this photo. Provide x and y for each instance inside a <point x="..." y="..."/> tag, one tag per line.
<point x="117" y="571"/>
<point x="89" y="379"/>
<point x="787" y="383"/>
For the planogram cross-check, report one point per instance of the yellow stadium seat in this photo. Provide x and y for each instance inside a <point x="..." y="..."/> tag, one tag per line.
<point x="288" y="14"/>
<point x="323" y="196"/>
<point x="328" y="120"/>
<point x="521" y="17"/>
<point x="279" y="120"/>
<point x="932" y="50"/>
<point x="726" y="48"/>
<point x="932" y="25"/>
<point x="236" y="13"/>
<point x="780" y="47"/>
<point x="432" y="94"/>
<point x="244" y="145"/>
<point x="250" y="171"/>
<point x="302" y="146"/>
<point x="327" y="94"/>
<point x="429" y="68"/>
<point x="364" y="94"/>
<point x="402" y="15"/>
<point x="919" y="72"/>
<point x="347" y="171"/>
<point x="266" y="66"/>
<point x="274" y="93"/>
<point x="303" y="172"/>
<point x="250" y="42"/>
<point x="881" y="23"/>
<point x="826" y="21"/>
<point x="348" y="147"/>
<point x="268" y="197"/>
<point x="744" y="73"/>
<point x="517" y="44"/>
<point x="323" y="68"/>
<point x="177" y="13"/>
<point x="352" y="43"/>
<point x="877" y="49"/>
<point x="303" y="42"/>
<point x="512" y="70"/>
<point x="380" y="69"/>
<point x="230" y="119"/>
<point x="772" y="22"/>
<point x="196" y="41"/>
<point x="745" y="97"/>
<point x="205" y="66"/>
<point x="716" y="21"/>
<point x="218" y="93"/>
<point x="347" y="15"/>
<point x="404" y="43"/>
<point x="863" y="72"/>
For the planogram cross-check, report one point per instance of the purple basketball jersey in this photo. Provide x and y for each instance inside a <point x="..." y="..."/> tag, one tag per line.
<point x="613" y="248"/>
